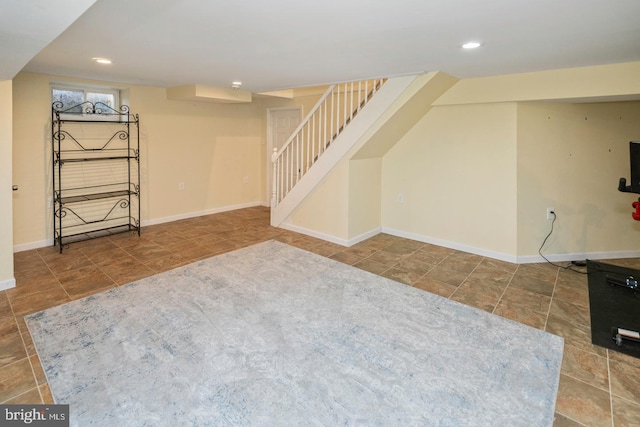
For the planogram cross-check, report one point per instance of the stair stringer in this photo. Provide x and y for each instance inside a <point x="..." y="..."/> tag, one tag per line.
<point x="366" y="118"/>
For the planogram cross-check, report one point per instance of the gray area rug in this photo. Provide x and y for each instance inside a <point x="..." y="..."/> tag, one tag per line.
<point x="271" y="335"/>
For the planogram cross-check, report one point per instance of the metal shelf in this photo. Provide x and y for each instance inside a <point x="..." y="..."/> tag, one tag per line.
<point x="94" y="201"/>
<point x="95" y="159"/>
<point x="95" y="196"/>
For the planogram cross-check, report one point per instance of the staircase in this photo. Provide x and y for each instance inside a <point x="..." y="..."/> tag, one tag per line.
<point x="337" y="107"/>
<point x="337" y="121"/>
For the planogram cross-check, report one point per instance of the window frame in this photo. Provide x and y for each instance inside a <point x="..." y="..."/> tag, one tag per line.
<point x="85" y="89"/>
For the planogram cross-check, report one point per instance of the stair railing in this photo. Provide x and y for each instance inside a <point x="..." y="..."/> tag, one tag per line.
<point x="318" y="130"/>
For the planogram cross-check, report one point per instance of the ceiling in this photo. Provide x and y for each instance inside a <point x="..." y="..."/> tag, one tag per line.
<point x="278" y="44"/>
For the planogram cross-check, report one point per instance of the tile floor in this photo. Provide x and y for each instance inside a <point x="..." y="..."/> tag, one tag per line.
<point x="598" y="387"/>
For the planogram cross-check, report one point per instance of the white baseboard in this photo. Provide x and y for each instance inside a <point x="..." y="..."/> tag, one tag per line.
<point x="526" y="259"/>
<point x="364" y="236"/>
<point x="32" y="245"/>
<point x="312" y="233"/>
<point x="43" y="243"/>
<point x="452" y="245"/>
<point x="7" y="284"/>
<point x="328" y="237"/>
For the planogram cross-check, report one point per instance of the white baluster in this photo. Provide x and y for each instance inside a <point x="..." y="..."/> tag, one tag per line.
<point x="274" y="184"/>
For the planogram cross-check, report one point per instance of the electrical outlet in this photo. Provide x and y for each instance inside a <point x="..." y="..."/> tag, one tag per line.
<point x="181" y="186"/>
<point x="246" y="180"/>
<point x="551" y="213"/>
<point x="400" y="198"/>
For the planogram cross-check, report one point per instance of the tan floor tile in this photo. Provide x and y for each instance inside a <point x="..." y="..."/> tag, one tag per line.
<point x="361" y="250"/>
<point x="38" y="301"/>
<point x="438" y="251"/>
<point x="5" y="307"/>
<point x="426" y="258"/>
<point x="625" y="376"/>
<point x="526" y="299"/>
<point x="285" y="236"/>
<point x="401" y="248"/>
<point x="585" y="366"/>
<point x="26" y="336"/>
<point x="178" y="246"/>
<point x="147" y="252"/>
<point x="495" y="264"/>
<point x="35" y="274"/>
<point x="37" y="369"/>
<point x="68" y="261"/>
<point x="43" y="283"/>
<point x="28" y="260"/>
<point x="11" y="346"/>
<point x="583" y="403"/>
<point x="128" y="241"/>
<point x="96" y="246"/>
<point x="451" y="277"/>
<point x="166" y="263"/>
<point x="562" y="421"/>
<point x="219" y="248"/>
<point x="82" y="282"/>
<point x="435" y="287"/>
<point x="489" y="289"/>
<point x="532" y="284"/>
<point x="196" y="253"/>
<point x="519" y="313"/>
<point x="371" y="266"/>
<point x="16" y="379"/>
<point x="576" y="335"/>
<point x="570" y="312"/>
<point x="109" y="256"/>
<point x="493" y="274"/>
<point x="462" y="262"/>
<point x="625" y="413"/>
<point x="574" y="294"/>
<point x="31" y="397"/>
<point x="325" y="249"/>
<point x="542" y="272"/>
<point x="386" y="258"/>
<point x="346" y="258"/>
<point x="475" y="298"/>
<point x="414" y="265"/>
<point x="45" y="392"/>
<point x="127" y="271"/>
<point x="571" y="278"/>
<point x="202" y="240"/>
<point x="402" y="276"/>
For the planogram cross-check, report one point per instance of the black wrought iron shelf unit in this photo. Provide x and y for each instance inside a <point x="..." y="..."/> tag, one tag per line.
<point x="95" y="170"/>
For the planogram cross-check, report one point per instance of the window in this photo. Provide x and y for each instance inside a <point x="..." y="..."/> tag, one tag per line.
<point x="72" y="99"/>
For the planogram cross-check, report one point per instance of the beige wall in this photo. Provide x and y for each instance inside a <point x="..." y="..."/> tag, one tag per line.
<point x="456" y="171"/>
<point x="365" y="179"/>
<point x="600" y="83"/>
<point x="570" y="157"/>
<point x="209" y="147"/>
<point x="6" y="181"/>
<point x="327" y="207"/>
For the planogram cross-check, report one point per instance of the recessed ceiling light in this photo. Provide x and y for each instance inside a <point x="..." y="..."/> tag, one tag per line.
<point x="471" y="45"/>
<point x="102" y="60"/>
<point x="236" y="84"/>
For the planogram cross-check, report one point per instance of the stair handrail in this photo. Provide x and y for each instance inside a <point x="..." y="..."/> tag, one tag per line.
<point x="289" y="163"/>
<point x="302" y="123"/>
